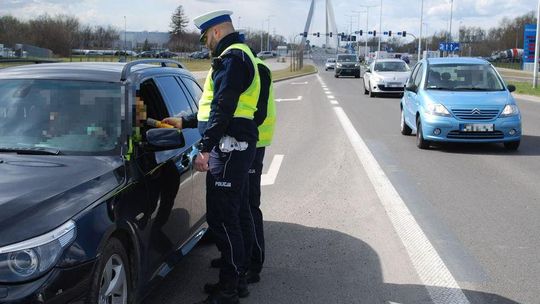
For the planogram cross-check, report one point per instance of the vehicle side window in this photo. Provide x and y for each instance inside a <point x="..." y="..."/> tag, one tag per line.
<point x="418" y="76"/>
<point x="175" y="98"/>
<point x="194" y="90"/>
<point x="413" y="75"/>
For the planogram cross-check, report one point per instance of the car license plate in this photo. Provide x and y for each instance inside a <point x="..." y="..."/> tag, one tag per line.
<point x="477" y="127"/>
<point x="394" y="85"/>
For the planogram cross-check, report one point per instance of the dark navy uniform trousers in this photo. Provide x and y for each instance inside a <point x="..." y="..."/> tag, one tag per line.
<point x="257" y="251"/>
<point x="228" y="214"/>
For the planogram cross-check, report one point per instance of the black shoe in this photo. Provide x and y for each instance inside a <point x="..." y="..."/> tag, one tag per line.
<point x="252" y="277"/>
<point x="242" y="289"/>
<point x="221" y="297"/>
<point x="216" y="263"/>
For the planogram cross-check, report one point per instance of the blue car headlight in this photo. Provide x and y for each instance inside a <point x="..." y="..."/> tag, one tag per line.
<point x="30" y="259"/>
<point x="437" y="110"/>
<point x="510" y="110"/>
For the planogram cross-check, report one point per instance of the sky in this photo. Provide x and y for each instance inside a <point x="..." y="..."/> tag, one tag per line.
<point x="283" y="17"/>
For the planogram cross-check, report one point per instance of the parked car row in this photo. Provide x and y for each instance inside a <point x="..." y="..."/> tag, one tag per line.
<point x="200" y="55"/>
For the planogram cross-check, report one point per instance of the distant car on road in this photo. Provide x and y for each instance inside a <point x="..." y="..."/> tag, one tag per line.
<point x="330" y="64"/>
<point x="266" y="54"/>
<point x="200" y="55"/>
<point x="166" y="54"/>
<point x="96" y="205"/>
<point x="147" y="54"/>
<point x="347" y="64"/>
<point x="459" y="100"/>
<point x="386" y="76"/>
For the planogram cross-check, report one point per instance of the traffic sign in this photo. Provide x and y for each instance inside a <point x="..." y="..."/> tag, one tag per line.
<point x="449" y="46"/>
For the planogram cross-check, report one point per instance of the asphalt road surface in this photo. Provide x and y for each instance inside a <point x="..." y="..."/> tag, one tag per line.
<point x="356" y="213"/>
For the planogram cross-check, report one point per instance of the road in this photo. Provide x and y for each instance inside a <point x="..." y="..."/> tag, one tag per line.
<point x="358" y="214"/>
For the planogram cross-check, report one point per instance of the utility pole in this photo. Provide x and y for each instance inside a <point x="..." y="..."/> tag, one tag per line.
<point x="125" y="27"/>
<point x="380" y="28"/>
<point x="537" y="47"/>
<point x="421" y="25"/>
<point x="367" y="7"/>
<point x="262" y="35"/>
<point x="451" y="15"/>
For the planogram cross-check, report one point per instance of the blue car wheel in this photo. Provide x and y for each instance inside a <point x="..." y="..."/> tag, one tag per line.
<point x="420" y="141"/>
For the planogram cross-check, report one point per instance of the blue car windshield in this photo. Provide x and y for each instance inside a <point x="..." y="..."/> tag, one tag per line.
<point x="463" y="77"/>
<point x="71" y="117"/>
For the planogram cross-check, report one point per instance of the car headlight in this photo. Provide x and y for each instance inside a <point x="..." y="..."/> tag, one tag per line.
<point x="339" y="65"/>
<point x="377" y="79"/>
<point x="357" y="64"/>
<point x="510" y="110"/>
<point x="30" y="259"/>
<point x="437" y="110"/>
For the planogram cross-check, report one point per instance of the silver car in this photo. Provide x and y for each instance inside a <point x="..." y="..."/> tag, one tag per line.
<point x="330" y="64"/>
<point x="386" y="76"/>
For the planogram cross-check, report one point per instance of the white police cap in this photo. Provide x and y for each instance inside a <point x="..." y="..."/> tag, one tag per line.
<point x="206" y="21"/>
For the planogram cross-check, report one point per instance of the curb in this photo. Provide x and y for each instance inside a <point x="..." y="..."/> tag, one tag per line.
<point x="297" y="76"/>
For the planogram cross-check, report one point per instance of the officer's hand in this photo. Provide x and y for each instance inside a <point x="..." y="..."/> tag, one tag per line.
<point x="173" y="121"/>
<point x="201" y="161"/>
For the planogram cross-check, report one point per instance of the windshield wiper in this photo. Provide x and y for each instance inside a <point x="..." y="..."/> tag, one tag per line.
<point x="472" y="89"/>
<point x="30" y="150"/>
<point x="440" y="88"/>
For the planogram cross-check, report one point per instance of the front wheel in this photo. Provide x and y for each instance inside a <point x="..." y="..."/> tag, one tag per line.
<point x="420" y="141"/>
<point x="512" y="145"/>
<point x="112" y="277"/>
<point x="371" y="93"/>
<point x="405" y="129"/>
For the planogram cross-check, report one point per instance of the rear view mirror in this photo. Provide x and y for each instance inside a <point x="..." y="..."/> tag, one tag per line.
<point x="411" y="87"/>
<point x="161" y="139"/>
<point x="511" y="88"/>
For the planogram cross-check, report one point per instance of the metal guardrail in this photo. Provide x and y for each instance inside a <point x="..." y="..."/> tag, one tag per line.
<point x="126" y="71"/>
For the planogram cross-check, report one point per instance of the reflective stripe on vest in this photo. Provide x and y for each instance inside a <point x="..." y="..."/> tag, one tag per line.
<point x="247" y="103"/>
<point x="266" y="129"/>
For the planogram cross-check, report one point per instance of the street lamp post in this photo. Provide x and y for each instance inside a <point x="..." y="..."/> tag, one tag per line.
<point x="367" y="7"/>
<point x="451" y="15"/>
<point x="537" y="47"/>
<point x="420" y="37"/>
<point x="380" y="27"/>
<point x="268" y="37"/>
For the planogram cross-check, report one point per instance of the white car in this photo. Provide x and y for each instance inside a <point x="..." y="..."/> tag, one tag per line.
<point x="266" y="54"/>
<point x="330" y="64"/>
<point x="386" y="76"/>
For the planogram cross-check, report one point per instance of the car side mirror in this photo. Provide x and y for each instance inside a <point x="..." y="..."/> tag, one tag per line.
<point x="411" y="87"/>
<point x="161" y="139"/>
<point x="511" y="88"/>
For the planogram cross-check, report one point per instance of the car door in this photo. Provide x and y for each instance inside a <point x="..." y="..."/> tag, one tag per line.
<point x="411" y="95"/>
<point x="367" y="75"/>
<point x="199" y="191"/>
<point x="178" y="102"/>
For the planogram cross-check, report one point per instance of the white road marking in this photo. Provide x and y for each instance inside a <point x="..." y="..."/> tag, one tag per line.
<point x="327" y="93"/>
<point x="436" y="277"/>
<point x="289" y="99"/>
<point x="270" y="177"/>
<point x="331" y="96"/>
<point x="334" y="102"/>
<point x="298" y="83"/>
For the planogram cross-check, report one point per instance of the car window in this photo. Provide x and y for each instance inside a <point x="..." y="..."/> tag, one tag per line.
<point x="75" y="117"/>
<point x="347" y="58"/>
<point x="175" y="99"/>
<point x="418" y="76"/>
<point x="391" y="66"/>
<point x="413" y="75"/>
<point x="194" y="90"/>
<point x="467" y="77"/>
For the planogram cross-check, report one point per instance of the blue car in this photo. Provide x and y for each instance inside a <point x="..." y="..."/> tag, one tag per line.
<point x="459" y="100"/>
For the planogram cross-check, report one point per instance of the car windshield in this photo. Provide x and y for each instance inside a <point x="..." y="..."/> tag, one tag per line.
<point x="463" y="77"/>
<point x="391" y="66"/>
<point x="347" y="58"/>
<point x="72" y="117"/>
<point x="331" y="60"/>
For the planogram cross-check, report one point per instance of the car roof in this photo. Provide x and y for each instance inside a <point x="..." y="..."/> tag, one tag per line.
<point x="88" y="71"/>
<point x="450" y="60"/>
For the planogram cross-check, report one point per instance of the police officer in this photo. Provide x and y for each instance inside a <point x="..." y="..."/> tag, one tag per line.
<point x="228" y="147"/>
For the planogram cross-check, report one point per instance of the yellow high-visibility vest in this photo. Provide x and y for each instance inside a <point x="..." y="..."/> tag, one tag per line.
<point x="247" y="103"/>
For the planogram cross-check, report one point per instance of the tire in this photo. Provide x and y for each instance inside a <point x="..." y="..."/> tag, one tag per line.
<point x="405" y="129"/>
<point x="357" y="75"/>
<point x="365" y="89"/>
<point x="326" y="70"/>
<point x="420" y="141"/>
<point x="512" y="145"/>
<point x="336" y="75"/>
<point x="114" y="263"/>
<point x="371" y="93"/>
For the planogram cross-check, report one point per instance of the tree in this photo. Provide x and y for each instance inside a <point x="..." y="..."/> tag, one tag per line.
<point x="146" y="45"/>
<point x="179" y="22"/>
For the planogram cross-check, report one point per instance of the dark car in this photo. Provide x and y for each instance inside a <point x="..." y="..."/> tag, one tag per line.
<point x="166" y="54"/>
<point x="147" y="54"/>
<point x="95" y="206"/>
<point x="347" y="65"/>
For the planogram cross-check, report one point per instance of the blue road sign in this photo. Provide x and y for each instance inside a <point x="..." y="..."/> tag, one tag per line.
<point x="449" y="46"/>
